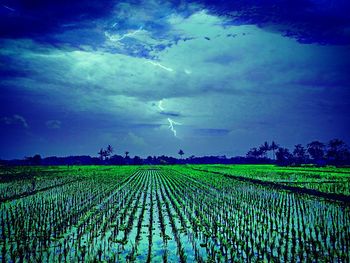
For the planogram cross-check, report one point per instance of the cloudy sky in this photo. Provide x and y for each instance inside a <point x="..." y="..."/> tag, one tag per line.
<point x="152" y="77"/>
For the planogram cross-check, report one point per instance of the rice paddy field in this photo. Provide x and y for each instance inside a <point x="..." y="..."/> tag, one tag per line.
<point x="183" y="213"/>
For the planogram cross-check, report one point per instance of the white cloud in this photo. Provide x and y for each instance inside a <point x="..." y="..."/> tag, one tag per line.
<point x="53" y="124"/>
<point x="15" y="119"/>
<point x="221" y="78"/>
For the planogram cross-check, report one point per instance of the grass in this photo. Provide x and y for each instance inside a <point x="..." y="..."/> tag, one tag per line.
<point x="324" y="179"/>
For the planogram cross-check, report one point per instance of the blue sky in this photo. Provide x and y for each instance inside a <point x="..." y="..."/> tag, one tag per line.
<point x="151" y="77"/>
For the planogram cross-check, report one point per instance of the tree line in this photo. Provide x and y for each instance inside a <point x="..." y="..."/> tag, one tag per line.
<point x="335" y="152"/>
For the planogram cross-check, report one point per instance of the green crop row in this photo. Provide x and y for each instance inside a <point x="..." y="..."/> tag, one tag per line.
<point x="167" y="214"/>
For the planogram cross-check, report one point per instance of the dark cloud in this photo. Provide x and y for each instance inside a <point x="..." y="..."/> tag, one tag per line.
<point x="170" y="113"/>
<point x="40" y="17"/>
<point x="101" y="68"/>
<point x="309" y="21"/>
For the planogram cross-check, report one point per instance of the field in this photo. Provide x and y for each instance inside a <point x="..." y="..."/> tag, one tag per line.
<point x="184" y="213"/>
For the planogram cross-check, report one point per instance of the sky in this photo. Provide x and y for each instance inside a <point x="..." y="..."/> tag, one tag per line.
<point x="152" y="77"/>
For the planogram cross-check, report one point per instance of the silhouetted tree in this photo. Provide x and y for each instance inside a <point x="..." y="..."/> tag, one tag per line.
<point x="149" y="160"/>
<point x="101" y="154"/>
<point x="181" y="152"/>
<point x="316" y="151"/>
<point x="106" y="154"/>
<point x="35" y="160"/>
<point x="264" y="148"/>
<point x="117" y="159"/>
<point x="299" y="154"/>
<point x="337" y="152"/>
<point x="273" y="147"/>
<point x="109" y="150"/>
<point x="137" y="160"/>
<point x="254" y="153"/>
<point x="127" y="158"/>
<point x="283" y="156"/>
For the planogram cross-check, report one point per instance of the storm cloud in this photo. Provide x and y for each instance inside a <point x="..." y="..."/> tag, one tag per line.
<point x="90" y="73"/>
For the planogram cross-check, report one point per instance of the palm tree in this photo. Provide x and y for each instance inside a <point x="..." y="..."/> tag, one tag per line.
<point x="299" y="154"/>
<point x="264" y="148"/>
<point x="101" y="153"/>
<point x="254" y="153"/>
<point x="283" y="156"/>
<point x="181" y="152"/>
<point x="337" y="151"/>
<point x="267" y="147"/>
<point x="273" y="147"/>
<point x="316" y="150"/>
<point x="105" y="154"/>
<point x="109" y="149"/>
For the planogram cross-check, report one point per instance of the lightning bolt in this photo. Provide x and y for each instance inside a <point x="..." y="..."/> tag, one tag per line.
<point x="160" y="65"/>
<point x="171" y="125"/>
<point x="171" y="122"/>
<point x="160" y="105"/>
<point x="116" y="38"/>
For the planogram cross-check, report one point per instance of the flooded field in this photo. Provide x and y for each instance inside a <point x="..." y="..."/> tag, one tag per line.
<point x="163" y="214"/>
